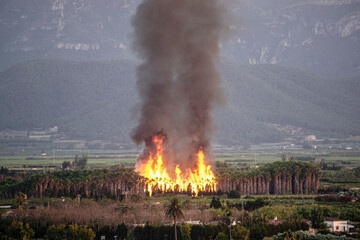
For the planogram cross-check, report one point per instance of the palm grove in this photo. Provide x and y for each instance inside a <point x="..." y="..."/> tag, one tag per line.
<point x="287" y="177"/>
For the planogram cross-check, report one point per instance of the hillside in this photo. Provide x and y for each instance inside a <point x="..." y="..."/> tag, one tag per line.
<point x="91" y="99"/>
<point x="261" y="95"/>
<point x="95" y="99"/>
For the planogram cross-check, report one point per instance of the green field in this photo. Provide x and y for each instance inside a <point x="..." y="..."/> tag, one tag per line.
<point x="96" y="159"/>
<point x="233" y="158"/>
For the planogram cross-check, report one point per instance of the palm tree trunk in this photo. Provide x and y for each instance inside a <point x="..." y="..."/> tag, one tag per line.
<point x="317" y="180"/>
<point x="289" y="184"/>
<point x="301" y="187"/>
<point x="313" y="182"/>
<point x="279" y="184"/>
<point x="255" y="189"/>
<point x="267" y="186"/>
<point x="283" y="183"/>
<point x="175" y="228"/>
<point x="274" y="184"/>
<point x="296" y="183"/>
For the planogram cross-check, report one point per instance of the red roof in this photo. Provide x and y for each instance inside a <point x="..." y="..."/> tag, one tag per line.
<point x="276" y="222"/>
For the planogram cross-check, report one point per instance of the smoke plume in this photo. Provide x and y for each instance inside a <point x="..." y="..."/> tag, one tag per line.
<point x="178" y="83"/>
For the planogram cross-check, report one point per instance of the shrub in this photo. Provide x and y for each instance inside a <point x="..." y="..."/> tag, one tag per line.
<point x="221" y="236"/>
<point x="345" y="198"/>
<point x="121" y="231"/>
<point x="185" y="230"/>
<point x="18" y="230"/>
<point x="258" y="203"/>
<point x="240" y="233"/>
<point x="326" y="198"/>
<point x="234" y="194"/>
<point x="215" y="203"/>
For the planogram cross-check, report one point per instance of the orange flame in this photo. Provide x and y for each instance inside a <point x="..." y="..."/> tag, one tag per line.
<point x="199" y="179"/>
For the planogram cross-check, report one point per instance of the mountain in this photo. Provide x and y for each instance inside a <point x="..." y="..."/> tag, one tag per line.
<point x="320" y="36"/>
<point x="64" y="29"/>
<point x="96" y="99"/>
<point x="85" y="99"/>
<point x="269" y="102"/>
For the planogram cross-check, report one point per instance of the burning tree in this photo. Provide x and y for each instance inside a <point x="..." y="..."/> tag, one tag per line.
<point x="179" y="86"/>
<point x="200" y="178"/>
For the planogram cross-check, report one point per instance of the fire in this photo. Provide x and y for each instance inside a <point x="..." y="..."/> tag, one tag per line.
<point x="199" y="179"/>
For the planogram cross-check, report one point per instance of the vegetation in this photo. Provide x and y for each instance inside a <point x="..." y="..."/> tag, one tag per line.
<point x="221" y="236"/>
<point x="117" y="201"/>
<point x="307" y="236"/>
<point x="78" y="163"/>
<point x="18" y="230"/>
<point x="173" y="209"/>
<point x="185" y="230"/>
<point x="97" y="183"/>
<point x="111" y="217"/>
<point x="240" y="233"/>
<point x="317" y="218"/>
<point x="21" y="199"/>
<point x="274" y="178"/>
<point x="339" y="179"/>
<point x="281" y="177"/>
<point x="69" y="94"/>
<point x="71" y="232"/>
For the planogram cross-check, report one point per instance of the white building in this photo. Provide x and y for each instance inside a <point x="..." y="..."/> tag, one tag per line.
<point x="338" y="225"/>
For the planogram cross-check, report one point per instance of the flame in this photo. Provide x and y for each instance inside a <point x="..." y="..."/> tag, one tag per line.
<point x="199" y="179"/>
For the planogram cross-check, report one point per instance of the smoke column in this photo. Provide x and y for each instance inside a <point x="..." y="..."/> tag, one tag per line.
<point x="178" y="83"/>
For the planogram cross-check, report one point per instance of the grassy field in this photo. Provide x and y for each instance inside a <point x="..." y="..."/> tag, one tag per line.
<point x="96" y="159"/>
<point x="234" y="158"/>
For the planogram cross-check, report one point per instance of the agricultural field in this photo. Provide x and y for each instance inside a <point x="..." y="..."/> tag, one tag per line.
<point x="339" y="167"/>
<point x="230" y="156"/>
<point x="206" y="215"/>
<point x="96" y="159"/>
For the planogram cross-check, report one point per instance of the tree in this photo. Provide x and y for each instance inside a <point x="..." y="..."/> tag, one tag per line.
<point x="240" y="233"/>
<point x="234" y="194"/>
<point x="75" y="232"/>
<point x="4" y="171"/>
<point x="121" y="231"/>
<point x="258" y="203"/>
<point x="85" y="233"/>
<point x="185" y="230"/>
<point x="288" y="235"/>
<point x="257" y="230"/>
<point x="19" y="231"/>
<point x="65" y="165"/>
<point x="221" y="236"/>
<point x="106" y="231"/>
<point x="21" y="199"/>
<point x="56" y="232"/>
<point x="173" y="210"/>
<point x="317" y="218"/>
<point x="215" y="203"/>
<point x="80" y="163"/>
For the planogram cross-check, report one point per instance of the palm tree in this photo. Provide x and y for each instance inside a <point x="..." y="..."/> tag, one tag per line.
<point x="21" y="199"/>
<point x="173" y="209"/>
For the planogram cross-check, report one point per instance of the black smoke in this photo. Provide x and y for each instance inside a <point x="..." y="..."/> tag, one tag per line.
<point x="178" y="82"/>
